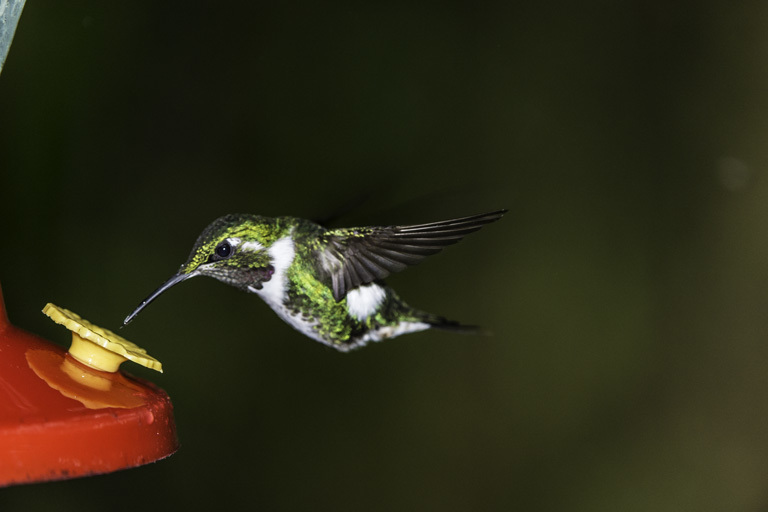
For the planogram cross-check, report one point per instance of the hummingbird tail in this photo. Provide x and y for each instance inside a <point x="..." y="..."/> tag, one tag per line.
<point x="444" y="324"/>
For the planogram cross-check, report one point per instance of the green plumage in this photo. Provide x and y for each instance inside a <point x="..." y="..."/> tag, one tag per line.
<point x="325" y="283"/>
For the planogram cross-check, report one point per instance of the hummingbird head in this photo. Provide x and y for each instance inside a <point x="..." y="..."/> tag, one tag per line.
<point x="231" y="249"/>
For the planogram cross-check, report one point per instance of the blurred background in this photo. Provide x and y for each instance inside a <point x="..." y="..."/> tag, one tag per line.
<point x="627" y="288"/>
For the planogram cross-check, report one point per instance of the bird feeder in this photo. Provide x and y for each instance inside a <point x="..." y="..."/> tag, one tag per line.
<point x="67" y="414"/>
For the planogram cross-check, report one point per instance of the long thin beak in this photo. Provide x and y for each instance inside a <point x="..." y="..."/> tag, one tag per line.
<point x="172" y="281"/>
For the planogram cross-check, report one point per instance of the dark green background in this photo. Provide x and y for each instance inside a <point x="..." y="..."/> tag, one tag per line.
<point x="627" y="287"/>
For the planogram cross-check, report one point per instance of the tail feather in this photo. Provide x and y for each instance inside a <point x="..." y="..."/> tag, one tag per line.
<point x="409" y="314"/>
<point x="452" y="326"/>
<point x="444" y="324"/>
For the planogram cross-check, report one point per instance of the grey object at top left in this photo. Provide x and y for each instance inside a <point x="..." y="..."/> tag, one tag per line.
<point x="10" y="12"/>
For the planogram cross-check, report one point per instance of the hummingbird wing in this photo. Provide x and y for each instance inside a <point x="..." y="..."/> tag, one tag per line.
<point x="356" y="256"/>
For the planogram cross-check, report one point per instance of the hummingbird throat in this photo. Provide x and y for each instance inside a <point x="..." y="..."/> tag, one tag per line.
<point x="254" y="278"/>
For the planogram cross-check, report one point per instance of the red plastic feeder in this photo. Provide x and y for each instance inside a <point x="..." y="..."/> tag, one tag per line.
<point x="60" y="418"/>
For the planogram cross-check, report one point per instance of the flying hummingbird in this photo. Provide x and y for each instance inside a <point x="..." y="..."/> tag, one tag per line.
<point x="326" y="283"/>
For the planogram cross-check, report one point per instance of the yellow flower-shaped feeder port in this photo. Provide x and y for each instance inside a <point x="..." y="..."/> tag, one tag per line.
<point x="97" y="347"/>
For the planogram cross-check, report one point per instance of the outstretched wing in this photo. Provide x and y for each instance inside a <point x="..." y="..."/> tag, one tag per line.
<point x="357" y="256"/>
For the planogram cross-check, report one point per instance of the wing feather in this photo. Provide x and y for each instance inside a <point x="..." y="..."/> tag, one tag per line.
<point x="357" y="256"/>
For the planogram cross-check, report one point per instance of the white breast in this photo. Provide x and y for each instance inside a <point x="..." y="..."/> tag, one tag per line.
<point x="281" y="253"/>
<point x="274" y="292"/>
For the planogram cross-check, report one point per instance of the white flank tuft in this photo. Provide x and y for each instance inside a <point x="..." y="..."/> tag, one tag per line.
<point x="363" y="301"/>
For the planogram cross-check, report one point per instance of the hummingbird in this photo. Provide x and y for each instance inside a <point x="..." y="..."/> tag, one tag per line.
<point x="325" y="283"/>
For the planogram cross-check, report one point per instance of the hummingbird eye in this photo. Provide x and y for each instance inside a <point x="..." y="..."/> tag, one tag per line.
<point x="223" y="250"/>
